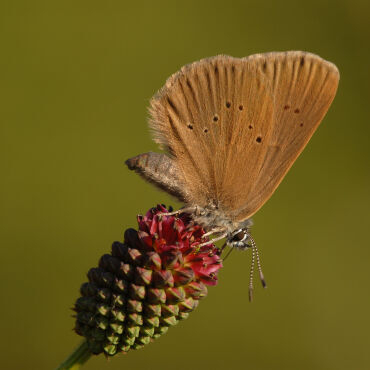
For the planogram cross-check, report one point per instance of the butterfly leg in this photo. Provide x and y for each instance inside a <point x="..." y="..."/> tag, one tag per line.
<point x="182" y="210"/>
<point x="222" y="236"/>
<point x="216" y="230"/>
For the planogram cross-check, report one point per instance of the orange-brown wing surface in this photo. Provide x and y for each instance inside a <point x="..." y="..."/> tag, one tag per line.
<point x="235" y="126"/>
<point x="215" y="117"/>
<point x="303" y="86"/>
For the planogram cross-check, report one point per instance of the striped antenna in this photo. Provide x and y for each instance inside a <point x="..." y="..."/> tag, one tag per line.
<point x="254" y="249"/>
<point x="251" y="273"/>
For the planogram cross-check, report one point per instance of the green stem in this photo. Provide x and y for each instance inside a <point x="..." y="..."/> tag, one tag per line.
<point x="78" y="357"/>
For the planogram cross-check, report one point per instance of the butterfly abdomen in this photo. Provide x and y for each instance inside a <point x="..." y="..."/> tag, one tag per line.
<point x="160" y="170"/>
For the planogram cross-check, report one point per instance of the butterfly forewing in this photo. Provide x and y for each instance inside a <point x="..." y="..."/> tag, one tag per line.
<point x="304" y="86"/>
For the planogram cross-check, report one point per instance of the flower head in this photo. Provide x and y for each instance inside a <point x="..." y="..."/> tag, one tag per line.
<point x="147" y="284"/>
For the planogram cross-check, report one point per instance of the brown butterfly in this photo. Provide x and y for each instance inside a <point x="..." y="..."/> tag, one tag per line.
<point x="231" y="129"/>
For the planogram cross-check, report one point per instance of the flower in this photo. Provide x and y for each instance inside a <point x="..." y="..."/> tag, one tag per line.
<point x="147" y="284"/>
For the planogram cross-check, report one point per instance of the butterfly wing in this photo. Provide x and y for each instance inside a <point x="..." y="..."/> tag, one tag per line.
<point x="303" y="86"/>
<point x="235" y="126"/>
<point x="210" y="116"/>
<point x="159" y="170"/>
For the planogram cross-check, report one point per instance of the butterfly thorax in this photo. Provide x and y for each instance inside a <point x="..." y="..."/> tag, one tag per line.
<point x="211" y="218"/>
<point x="218" y="223"/>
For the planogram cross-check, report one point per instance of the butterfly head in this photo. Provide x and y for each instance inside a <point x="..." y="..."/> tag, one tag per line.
<point x="239" y="239"/>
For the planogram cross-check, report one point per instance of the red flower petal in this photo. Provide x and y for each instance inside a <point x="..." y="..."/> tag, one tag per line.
<point x="168" y="234"/>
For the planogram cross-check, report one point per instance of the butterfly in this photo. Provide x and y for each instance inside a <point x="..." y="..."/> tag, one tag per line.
<point x="231" y="128"/>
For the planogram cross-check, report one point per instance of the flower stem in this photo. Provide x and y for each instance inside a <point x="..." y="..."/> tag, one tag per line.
<point x="78" y="357"/>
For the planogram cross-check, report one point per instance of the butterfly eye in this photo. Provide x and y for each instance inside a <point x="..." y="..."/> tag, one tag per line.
<point x="239" y="236"/>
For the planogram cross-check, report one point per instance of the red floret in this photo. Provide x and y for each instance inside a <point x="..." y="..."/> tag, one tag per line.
<point x="168" y="235"/>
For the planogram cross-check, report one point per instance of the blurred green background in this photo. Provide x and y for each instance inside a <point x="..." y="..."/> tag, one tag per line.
<point x="75" y="81"/>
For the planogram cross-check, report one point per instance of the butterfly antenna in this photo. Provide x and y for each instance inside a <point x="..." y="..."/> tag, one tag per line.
<point x="251" y="273"/>
<point x="254" y="248"/>
<point x="179" y="211"/>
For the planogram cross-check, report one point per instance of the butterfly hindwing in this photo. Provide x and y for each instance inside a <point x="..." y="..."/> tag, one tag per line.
<point x="160" y="170"/>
